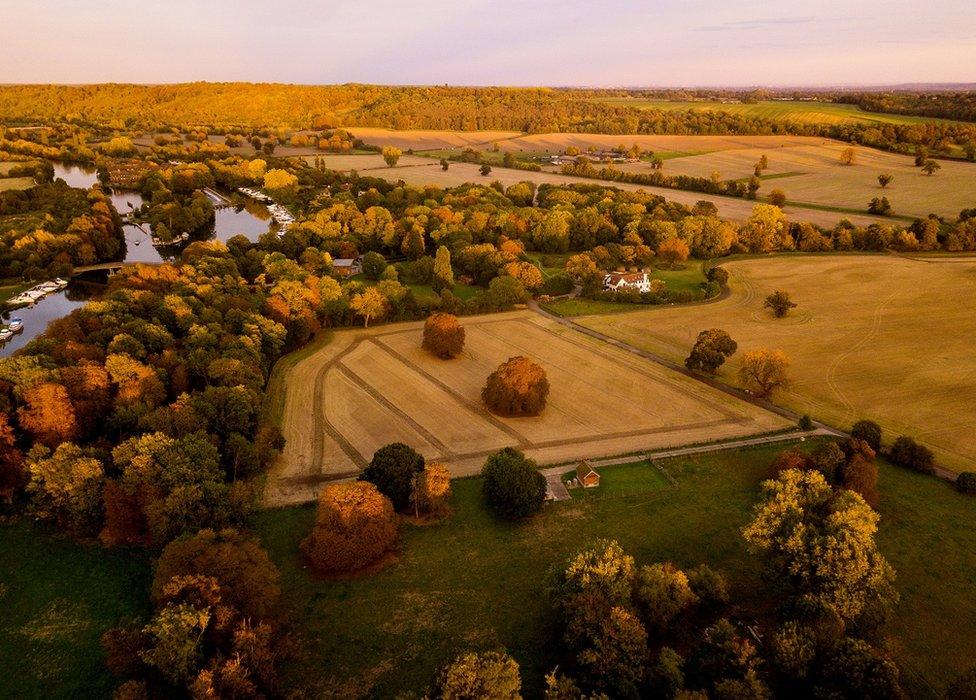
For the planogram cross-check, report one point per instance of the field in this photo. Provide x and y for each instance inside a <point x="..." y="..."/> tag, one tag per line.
<point x="420" y="171"/>
<point x="780" y="110"/>
<point x="56" y="599"/>
<point x="811" y="173"/>
<point x="389" y="632"/>
<point x="880" y="337"/>
<point x="362" y="389"/>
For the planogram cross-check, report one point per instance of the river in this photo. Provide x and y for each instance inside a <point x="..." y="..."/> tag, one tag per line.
<point x="251" y="221"/>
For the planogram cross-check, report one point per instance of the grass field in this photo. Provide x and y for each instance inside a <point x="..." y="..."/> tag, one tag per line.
<point x="779" y="110"/>
<point x="880" y="337"/>
<point x="419" y="171"/>
<point x="390" y="632"/>
<point x="56" y="599"/>
<point x="16" y="183"/>
<point x="366" y="388"/>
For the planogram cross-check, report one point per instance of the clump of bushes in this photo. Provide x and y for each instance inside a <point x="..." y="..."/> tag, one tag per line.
<point x="905" y="452"/>
<point x="556" y="286"/>
<point x="443" y="336"/>
<point x="966" y="483"/>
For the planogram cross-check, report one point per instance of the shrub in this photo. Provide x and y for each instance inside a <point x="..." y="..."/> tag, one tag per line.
<point x="791" y="458"/>
<point x="392" y="471"/>
<point x="432" y="490"/>
<point x="710" y="586"/>
<point x="557" y="285"/>
<point x="966" y="482"/>
<point x="443" y="336"/>
<point x="354" y="527"/>
<point x="906" y="452"/>
<point x="513" y="486"/>
<point x="517" y="388"/>
<point x="719" y="275"/>
<point x="248" y="579"/>
<point x="474" y="676"/>
<point x="805" y="422"/>
<point x="869" y="431"/>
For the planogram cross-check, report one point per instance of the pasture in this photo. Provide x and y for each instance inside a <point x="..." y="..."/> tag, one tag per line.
<point x="384" y="634"/>
<point x="882" y="337"/>
<point x="420" y="172"/>
<point x="358" y="390"/>
<point x="804" y="111"/>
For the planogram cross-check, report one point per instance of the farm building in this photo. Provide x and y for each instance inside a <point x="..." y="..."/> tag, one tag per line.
<point x="586" y="475"/>
<point x="618" y="281"/>
<point x="347" y="267"/>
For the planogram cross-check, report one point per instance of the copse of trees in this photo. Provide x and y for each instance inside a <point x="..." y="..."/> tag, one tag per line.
<point x="518" y="387"/>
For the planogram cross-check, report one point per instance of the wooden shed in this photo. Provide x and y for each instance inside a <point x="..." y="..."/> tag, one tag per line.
<point x="586" y="475"/>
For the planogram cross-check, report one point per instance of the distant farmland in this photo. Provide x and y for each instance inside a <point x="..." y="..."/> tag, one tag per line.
<point x="880" y="337"/>
<point x="778" y="110"/>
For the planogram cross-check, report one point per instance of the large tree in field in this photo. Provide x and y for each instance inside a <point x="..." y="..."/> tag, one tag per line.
<point x="391" y="154"/>
<point x="393" y="470"/>
<point x="764" y="371"/>
<point x="712" y="348"/>
<point x="517" y="388"/>
<point x="819" y="543"/>
<point x="512" y="485"/>
<point x="355" y="526"/>
<point x="780" y="303"/>
<point x="443" y="335"/>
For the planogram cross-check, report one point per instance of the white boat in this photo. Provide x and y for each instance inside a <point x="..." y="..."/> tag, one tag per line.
<point x="61" y="282"/>
<point x="35" y="294"/>
<point x="5" y="335"/>
<point x="16" y="325"/>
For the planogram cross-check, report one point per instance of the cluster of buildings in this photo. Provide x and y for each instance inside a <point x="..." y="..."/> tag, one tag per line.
<point x="621" y="281"/>
<point x="593" y="157"/>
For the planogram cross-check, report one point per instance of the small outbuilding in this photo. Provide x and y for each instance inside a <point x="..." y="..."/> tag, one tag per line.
<point x="586" y="475"/>
<point x="347" y="267"/>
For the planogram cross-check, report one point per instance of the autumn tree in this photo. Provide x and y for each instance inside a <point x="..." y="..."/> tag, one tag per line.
<point x="777" y="198"/>
<point x="65" y="486"/>
<point x="280" y="183"/>
<point x="369" y="304"/>
<point x="11" y="461"/>
<point x="672" y="252"/>
<point x="443" y="335"/>
<point x="393" y="471"/>
<point x="517" y="388"/>
<point x="929" y="167"/>
<point x="512" y="485"/>
<point x="765" y="230"/>
<point x="391" y="154"/>
<point x="661" y="593"/>
<point x="583" y="270"/>
<point x="820" y="545"/>
<point x="764" y="371"/>
<point x="431" y="491"/>
<point x="48" y="414"/>
<point x="443" y="275"/>
<point x="847" y="156"/>
<point x="884" y="179"/>
<point x="780" y="303"/>
<point x="355" y="526"/>
<point x="473" y="676"/>
<point x="485" y="169"/>
<point x="860" y="472"/>
<point x="869" y="432"/>
<point x="712" y="348"/>
<point x="525" y="272"/>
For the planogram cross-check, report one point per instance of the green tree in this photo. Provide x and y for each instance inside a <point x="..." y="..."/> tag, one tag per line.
<point x="512" y="485"/>
<point x="661" y="593"/>
<point x="712" y="348"/>
<point x="393" y="470"/>
<point x="374" y="265"/>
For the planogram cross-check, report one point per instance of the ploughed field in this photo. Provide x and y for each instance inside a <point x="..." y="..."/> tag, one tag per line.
<point x="364" y="389"/>
<point x="882" y="337"/>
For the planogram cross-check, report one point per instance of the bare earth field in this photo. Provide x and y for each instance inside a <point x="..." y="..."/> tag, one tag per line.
<point x="812" y="173"/>
<point x="419" y="171"/>
<point x="880" y="337"/>
<point x="367" y="388"/>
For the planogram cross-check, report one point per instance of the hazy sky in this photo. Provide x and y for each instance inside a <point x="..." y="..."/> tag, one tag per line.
<point x="482" y="42"/>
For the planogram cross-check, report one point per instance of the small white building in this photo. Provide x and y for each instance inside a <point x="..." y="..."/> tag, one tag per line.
<point x="620" y="281"/>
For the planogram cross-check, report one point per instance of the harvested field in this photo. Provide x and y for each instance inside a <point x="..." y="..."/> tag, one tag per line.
<point x="813" y="173"/>
<point x="418" y="171"/>
<point x="880" y="337"/>
<point x="366" y="388"/>
<point x="422" y="140"/>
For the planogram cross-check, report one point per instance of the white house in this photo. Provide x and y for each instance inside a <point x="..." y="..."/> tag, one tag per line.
<point x="620" y="281"/>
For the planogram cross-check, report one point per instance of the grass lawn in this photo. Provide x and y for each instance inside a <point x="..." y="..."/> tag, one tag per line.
<point x="16" y="183"/>
<point x="475" y="582"/>
<point x="10" y="288"/>
<point x="57" y="597"/>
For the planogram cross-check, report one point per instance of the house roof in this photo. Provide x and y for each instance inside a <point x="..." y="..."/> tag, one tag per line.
<point x="626" y="276"/>
<point x="583" y="470"/>
<point x="344" y="262"/>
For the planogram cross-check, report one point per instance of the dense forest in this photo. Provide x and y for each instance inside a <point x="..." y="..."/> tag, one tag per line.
<point x="941" y="105"/>
<point x="534" y="110"/>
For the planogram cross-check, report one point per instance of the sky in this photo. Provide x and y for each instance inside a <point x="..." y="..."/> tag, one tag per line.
<point x="490" y="42"/>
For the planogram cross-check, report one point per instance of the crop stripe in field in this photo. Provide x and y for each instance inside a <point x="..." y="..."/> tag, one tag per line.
<point x="392" y="407"/>
<point x="461" y="398"/>
<point x="321" y="423"/>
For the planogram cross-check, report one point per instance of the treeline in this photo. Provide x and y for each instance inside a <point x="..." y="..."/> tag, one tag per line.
<point x="533" y="110"/>
<point x="941" y="105"/>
